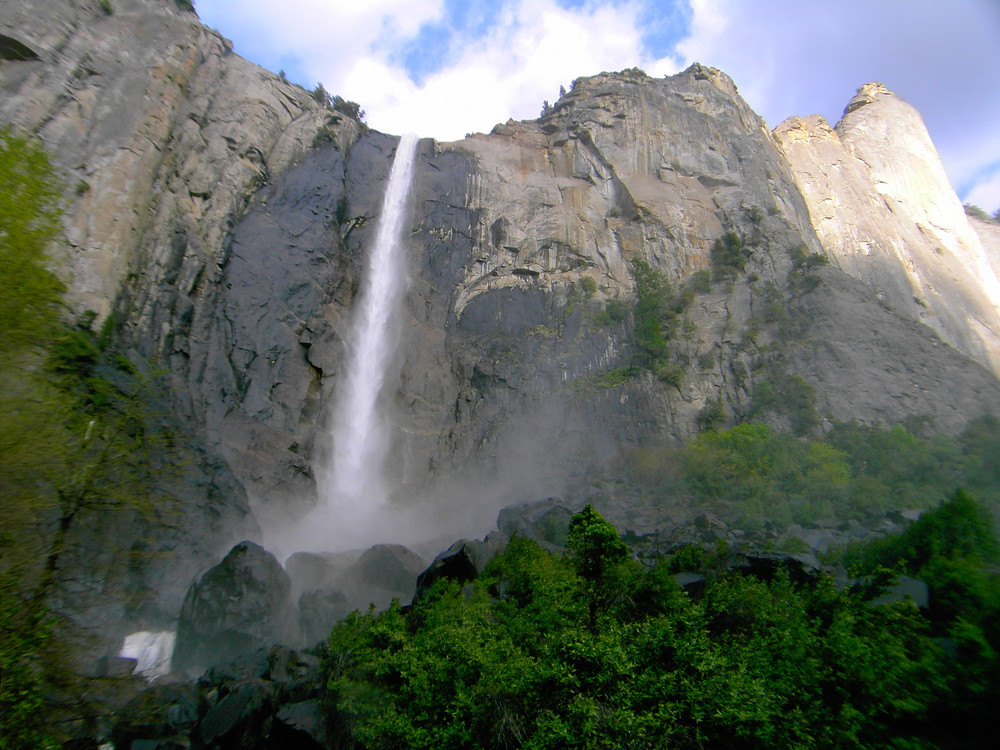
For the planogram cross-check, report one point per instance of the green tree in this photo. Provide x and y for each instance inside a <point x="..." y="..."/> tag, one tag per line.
<point x="79" y="436"/>
<point x="30" y="293"/>
<point x="29" y="432"/>
<point x="601" y="558"/>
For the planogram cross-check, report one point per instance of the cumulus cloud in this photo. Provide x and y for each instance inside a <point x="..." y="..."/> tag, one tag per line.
<point x="506" y="69"/>
<point x="446" y="67"/>
<point x="532" y="48"/>
<point x="986" y="190"/>
<point x="807" y="58"/>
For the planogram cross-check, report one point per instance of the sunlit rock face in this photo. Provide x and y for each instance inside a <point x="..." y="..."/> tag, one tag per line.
<point x="223" y="214"/>
<point x="885" y="212"/>
<point x="161" y="130"/>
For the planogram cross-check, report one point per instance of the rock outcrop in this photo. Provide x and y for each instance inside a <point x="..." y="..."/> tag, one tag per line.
<point x="885" y="212"/>
<point x="239" y="605"/>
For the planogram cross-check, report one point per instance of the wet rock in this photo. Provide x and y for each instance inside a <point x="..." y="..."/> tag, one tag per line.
<point x="905" y="587"/>
<point x="240" y="604"/>
<point x="239" y="719"/>
<point x="311" y="571"/>
<point x="160" y="713"/>
<point x="544" y="521"/>
<point x="300" y="726"/>
<point x="319" y="611"/>
<point x="390" y="568"/>
<point x="693" y="583"/>
<point x="463" y="561"/>
<point x="764" y="565"/>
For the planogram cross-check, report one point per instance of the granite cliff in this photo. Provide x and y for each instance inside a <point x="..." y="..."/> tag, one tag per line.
<point x="220" y="213"/>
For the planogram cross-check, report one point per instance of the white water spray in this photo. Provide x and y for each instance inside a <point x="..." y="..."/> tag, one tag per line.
<point x="353" y="492"/>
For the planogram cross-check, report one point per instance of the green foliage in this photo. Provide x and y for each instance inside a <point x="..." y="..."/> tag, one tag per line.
<point x="960" y="527"/>
<point x="607" y="379"/>
<point x="711" y="414"/>
<point x="729" y="256"/>
<point x="765" y="475"/>
<point x="671" y="373"/>
<point x="788" y="395"/>
<point x="29" y="222"/>
<point x="755" y="214"/>
<point x="614" y="313"/>
<point x="22" y="686"/>
<point x="701" y="281"/>
<point x="337" y="103"/>
<point x="594" y="544"/>
<point x="975" y="212"/>
<point x="31" y="438"/>
<point x="803" y="260"/>
<point x="750" y="663"/>
<point x="954" y="549"/>
<point x="657" y="312"/>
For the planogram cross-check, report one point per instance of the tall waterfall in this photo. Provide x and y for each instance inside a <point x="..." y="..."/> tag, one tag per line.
<point x="353" y="488"/>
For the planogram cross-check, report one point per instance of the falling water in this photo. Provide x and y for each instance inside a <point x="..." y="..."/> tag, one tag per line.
<point x="353" y="488"/>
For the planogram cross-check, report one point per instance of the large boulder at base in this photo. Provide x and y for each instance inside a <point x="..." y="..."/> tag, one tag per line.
<point x="319" y="611"/>
<point x="903" y="588"/>
<point x="238" y="719"/>
<point x="382" y="573"/>
<point x="376" y="576"/>
<point x="545" y="521"/>
<point x="242" y="603"/>
<point x="312" y="571"/>
<point x="463" y="561"/>
<point x="161" y="712"/>
<point x="299" y="725"/>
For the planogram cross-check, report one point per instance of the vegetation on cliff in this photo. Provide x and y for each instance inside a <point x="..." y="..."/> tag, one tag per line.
<point x="77" y="439"/>
<point x="761" y="475"/>
<point x="592" y="650"/>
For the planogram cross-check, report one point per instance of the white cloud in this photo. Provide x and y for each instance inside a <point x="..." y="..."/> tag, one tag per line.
<point x="787" y="58"/>
<point x="333" y="34"/>
<point x="534" y="48"/>
<point x="986" y="193"/>
<point x="352" y="48"/>
<point x="809" y="57"/>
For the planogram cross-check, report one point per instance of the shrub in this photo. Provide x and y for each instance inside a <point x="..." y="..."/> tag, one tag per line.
<point x="29" y="222"/>
<point x="729" y="256"/>
<point x="711" y="414"/>
<point x="701" y="281"/>
<point x="615" y="311"/>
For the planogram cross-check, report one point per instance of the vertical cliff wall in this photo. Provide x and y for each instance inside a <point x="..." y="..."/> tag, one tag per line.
<point x="886" y="214"/>
<point x="222" y="214"/>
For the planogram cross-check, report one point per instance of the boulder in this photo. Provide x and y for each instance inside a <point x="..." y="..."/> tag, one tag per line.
<point x="300" y="726"/>
<point x="904" y="588"/>
<point x="544" y="521"/>
<point x="463" y="561"/>
<point x="389" y="567"/>
<point x="765" y="564"/>
<point x="319" y="611"/>
<point x="240" y="604"/>
<point x="162" y="712"/>
<point x="238" y="719"/>
<point x="311" y="571"/>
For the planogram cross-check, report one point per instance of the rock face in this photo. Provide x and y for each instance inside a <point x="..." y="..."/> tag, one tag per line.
<point x="242" y="603"/>
<point x="329" y="586"/>
<point x="222" y="214"/>
<point x="885" y="212"/>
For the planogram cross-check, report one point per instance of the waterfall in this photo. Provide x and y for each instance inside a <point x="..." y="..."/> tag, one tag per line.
<point x="353" y="486"/>
<point x="151" y="650"/>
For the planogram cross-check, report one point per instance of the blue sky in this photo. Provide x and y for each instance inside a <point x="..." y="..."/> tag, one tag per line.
<point x="444" y="68"/>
